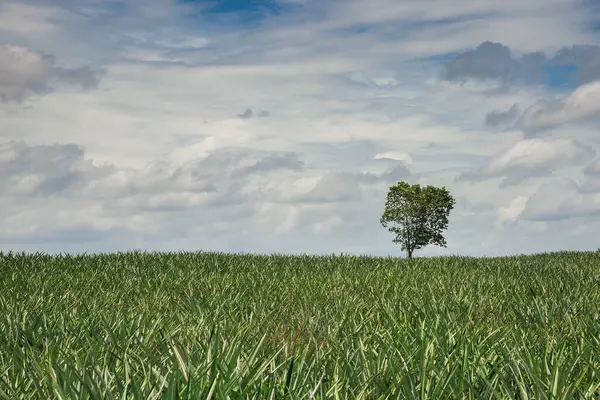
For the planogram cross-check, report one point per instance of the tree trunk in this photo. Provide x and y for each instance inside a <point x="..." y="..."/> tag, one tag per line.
<point x="410" y="253"/>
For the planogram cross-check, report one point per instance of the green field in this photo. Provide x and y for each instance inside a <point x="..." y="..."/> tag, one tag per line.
<point x="209" y="325"/>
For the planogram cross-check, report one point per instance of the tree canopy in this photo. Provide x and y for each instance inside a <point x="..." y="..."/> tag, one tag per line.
<point x="417" y="215"/>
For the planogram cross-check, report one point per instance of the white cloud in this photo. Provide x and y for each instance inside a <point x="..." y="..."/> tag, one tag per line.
<point x="593" y="168"/>
<point x="24" y="72"/>
<point x="512" y="211"/>
<point x="394" y="155"/>
<point x="532" y="158"/>
<point x="26" y="19"/>
<point x="591" y="181"/>
<point x="496" y="117"/>
<point x="560" y="199"/>
<point x="580" y="106"/>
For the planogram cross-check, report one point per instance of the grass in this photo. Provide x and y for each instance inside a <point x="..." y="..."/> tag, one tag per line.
<point x="210" y="325"/>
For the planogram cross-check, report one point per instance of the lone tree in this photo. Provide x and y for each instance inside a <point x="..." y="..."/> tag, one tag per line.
<point x="417" y="215"/>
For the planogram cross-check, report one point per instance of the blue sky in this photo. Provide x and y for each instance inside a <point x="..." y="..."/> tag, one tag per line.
<point x="240" y="6"/>
<point x="237" y="14"/>
<point x="278" y="126"/>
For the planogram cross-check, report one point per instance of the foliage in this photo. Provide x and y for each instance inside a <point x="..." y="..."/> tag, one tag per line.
<point x="417" y="215"/>
<point x="217" y="326"/>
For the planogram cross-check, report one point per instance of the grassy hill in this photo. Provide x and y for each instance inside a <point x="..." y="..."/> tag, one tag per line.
<point x="211" y="325"/>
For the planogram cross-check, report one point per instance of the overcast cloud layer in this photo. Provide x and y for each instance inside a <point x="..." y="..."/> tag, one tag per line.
<point x="170" y="125"/>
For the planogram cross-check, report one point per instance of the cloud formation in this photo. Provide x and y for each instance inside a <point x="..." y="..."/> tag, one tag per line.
<point x="248" y="114"/>
<point x="62" y="170"/>
<point x="129" y="200"/>
<point x="560" y="199"/>
<point x="496" y="117"/>
<point x="591" y="182"/>
<point x="45" y="170"/>
<point x="347" y="186"/>
<point x="159" y="158"/>
<point x="580" y="106"/>
<point x="531" y="158"/>
<point x="24" y="72"/>
<point x="495" y="61"/>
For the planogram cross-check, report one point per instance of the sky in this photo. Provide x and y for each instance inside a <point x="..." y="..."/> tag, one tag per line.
<point x="277" y="126"/>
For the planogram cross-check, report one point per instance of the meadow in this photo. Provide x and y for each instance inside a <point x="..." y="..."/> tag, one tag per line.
<point x="223" y="326"/>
